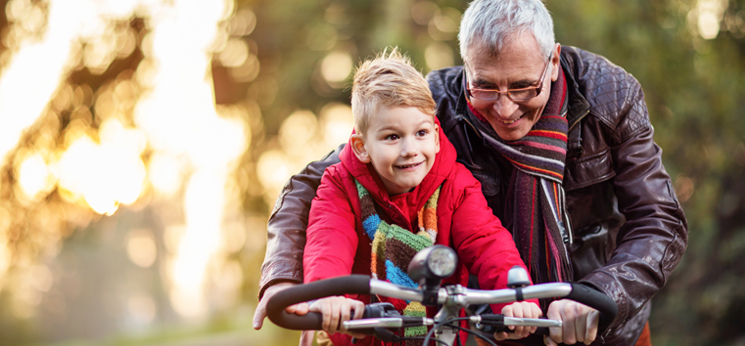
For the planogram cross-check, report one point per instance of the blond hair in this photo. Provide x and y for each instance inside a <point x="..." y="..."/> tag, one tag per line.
<point x="388" y="81"/>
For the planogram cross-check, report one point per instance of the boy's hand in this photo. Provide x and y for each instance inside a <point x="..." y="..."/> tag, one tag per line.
<point x="336" y="310"/>
<point x="523" y="310"/>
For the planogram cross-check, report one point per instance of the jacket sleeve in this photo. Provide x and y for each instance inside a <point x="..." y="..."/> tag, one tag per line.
<point x="484" y="246"/>
<point x="651" y="242"/>
<point x="287" y="224"/>
<point x="331" y="236"/>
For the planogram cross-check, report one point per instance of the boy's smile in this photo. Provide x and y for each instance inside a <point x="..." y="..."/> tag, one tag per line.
<point x="401" y="143"/>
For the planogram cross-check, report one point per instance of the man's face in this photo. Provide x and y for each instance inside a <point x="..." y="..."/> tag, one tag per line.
<point x="520" y="64"/>
<point x="401" y="143"/>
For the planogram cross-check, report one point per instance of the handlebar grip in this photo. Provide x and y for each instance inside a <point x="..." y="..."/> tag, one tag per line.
<point x="353" y="284"/>
<point x="595" y="299"/>
<point x="538" y="331"/>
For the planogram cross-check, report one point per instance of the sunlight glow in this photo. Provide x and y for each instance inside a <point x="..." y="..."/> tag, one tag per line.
<point x="22" y="99"/>
<point x="709" y="14"/>
<point x="302" y="138"/>
<point x="165" y="173"/>
<point x="163" y="110"/>
<point x="104" y="174"/>
<point x="34" y="176"/>
<point x="179" y="117"/>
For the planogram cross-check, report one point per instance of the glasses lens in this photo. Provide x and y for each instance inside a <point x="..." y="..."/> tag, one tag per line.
<point x="524" y="94"/>
<point x="486" y="95"/>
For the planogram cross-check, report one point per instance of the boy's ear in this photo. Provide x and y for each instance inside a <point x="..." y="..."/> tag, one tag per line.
<point x="358" y="146"/>
<point x="437" y="138"/>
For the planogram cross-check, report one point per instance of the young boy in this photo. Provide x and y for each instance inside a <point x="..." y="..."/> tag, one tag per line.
<point x="397" y="189"/>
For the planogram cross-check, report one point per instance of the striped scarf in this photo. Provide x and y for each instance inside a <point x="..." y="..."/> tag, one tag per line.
<point x="535" y="201"/>
<point x="394" y="246"/>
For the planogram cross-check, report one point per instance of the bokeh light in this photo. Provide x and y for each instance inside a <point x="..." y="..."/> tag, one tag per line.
<point x="336" y="67"/>
<point x="141" y="247"/>
<point x="709" y="16"/>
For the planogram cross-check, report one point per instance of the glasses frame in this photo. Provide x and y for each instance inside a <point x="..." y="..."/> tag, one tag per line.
<point x="509" y="92"/>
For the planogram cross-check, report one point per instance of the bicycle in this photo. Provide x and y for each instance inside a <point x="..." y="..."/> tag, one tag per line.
<point x="428" y="268"/>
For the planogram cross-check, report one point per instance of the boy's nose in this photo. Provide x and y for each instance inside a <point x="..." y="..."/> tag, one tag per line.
<point x="408" y="148"/>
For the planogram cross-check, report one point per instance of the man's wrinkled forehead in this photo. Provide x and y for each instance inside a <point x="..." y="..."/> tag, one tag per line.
<point x="493" y="49"/>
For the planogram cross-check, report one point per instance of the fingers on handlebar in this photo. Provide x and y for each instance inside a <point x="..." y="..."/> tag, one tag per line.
<point x="592" y="326"/>
<point x="580" y="322"/>
<point x="520" y="310"/>
<point x="336" y="310"/>
<point x="298" y="309"/>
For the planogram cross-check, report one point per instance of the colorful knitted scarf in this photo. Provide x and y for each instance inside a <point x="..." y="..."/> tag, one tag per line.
<point x="394" y="246"/>
<point x="535" y="204"/>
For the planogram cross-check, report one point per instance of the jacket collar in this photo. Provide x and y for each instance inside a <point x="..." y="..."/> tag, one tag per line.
<point x="366" y="175"/>
<point x="578" y="107"/>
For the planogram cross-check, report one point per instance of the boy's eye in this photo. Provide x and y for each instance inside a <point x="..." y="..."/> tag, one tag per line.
<point x="391" y="137"/>
<point x="422" y="133"/>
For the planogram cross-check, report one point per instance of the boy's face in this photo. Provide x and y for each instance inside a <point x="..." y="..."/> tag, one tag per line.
<point x="401" y="143"/>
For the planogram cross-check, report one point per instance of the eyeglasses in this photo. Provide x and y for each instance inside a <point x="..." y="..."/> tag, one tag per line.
<point x="516" y="95"/>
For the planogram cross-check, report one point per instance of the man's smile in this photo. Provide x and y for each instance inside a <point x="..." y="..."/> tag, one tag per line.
<point x="508" y="122"/>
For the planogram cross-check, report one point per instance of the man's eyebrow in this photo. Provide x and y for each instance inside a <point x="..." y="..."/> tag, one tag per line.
<point x="520" y="83"/>
<point x="482" y="83"/>
<point x="526" y="82"/>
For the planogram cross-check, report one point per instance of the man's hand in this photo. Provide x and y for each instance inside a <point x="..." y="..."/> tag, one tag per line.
<point x="307" y="336"/>
<point x="260" y="313"/>
<point x="580" y="323"/>
<point x="522" y="310"/>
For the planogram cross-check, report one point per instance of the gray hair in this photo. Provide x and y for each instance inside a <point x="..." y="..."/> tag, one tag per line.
<point x="494" y="22"/>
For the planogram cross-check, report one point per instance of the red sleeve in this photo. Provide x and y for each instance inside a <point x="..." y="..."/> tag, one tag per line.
<point x="483" y="244"/>
<point x="331" y="236"/>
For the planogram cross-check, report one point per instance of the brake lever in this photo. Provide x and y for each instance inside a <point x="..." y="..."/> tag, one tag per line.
<point x="494" y="323"/>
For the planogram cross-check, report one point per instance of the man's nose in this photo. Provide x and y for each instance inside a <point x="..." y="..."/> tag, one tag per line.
<point x="504" y="107"/>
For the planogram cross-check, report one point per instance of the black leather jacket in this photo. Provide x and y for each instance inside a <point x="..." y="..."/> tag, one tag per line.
<point x="629" y="229"/>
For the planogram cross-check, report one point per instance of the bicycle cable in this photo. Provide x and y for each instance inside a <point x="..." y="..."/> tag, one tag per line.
<point x="438" y="325"/>
<point x="476" y="334"/>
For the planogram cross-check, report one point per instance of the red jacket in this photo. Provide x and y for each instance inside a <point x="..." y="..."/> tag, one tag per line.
<point x="337" y="244"/>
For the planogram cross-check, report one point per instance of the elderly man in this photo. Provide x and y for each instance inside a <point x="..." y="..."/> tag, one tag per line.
<point x="602" y="205"/>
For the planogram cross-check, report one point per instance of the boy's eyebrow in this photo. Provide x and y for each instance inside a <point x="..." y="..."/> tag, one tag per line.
<point x="393" y="128"/>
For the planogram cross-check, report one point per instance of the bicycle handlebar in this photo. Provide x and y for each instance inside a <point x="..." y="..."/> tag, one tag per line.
<point x="361" y="284"/>
<point x="597" y="300"/>
<point x="353" y="284"/>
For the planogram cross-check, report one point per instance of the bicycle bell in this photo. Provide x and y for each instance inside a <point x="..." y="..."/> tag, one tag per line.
<point x="517" y="277"/>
